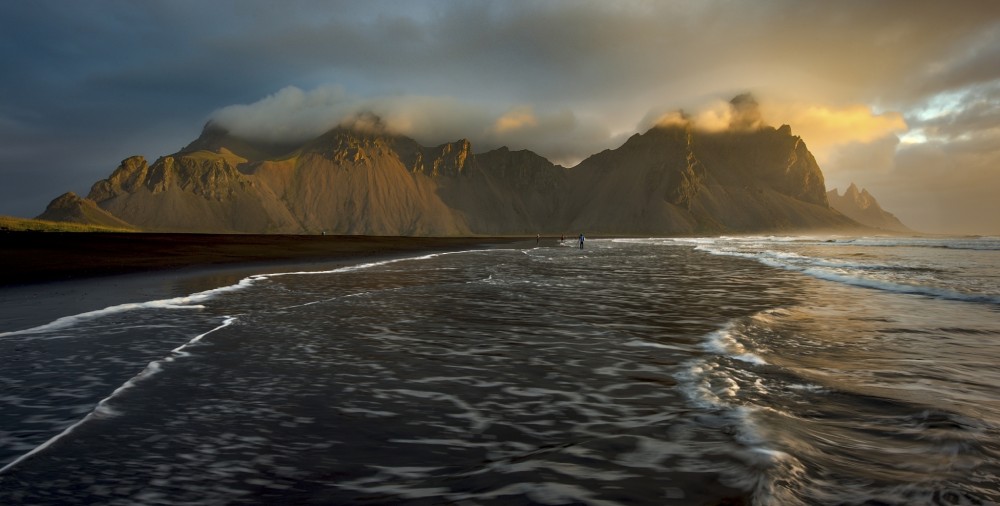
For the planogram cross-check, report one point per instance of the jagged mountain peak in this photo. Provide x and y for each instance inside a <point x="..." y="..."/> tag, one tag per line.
<point x="360" y="178"/>
<point x="746" y="113"/>
<point x="215" y="138"/>
<point x="861" y="206"/>
<point x="851" y="191"/>
<point x="860" y="197"/>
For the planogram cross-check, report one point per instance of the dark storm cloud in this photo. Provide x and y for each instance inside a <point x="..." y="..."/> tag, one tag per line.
<point x="88" y="83"/>
<point x="969" y="113"/>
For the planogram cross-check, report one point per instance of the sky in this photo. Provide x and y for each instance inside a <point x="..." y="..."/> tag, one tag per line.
<point x="900" y="97"/>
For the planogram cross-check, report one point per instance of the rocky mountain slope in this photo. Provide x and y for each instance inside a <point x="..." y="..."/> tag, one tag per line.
<point x="861" y="206"/>
<point x="70" y="208"/>
<point x="672" y="179"/>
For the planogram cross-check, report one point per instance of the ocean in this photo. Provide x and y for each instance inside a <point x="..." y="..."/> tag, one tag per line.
<point x="729" y="370"/>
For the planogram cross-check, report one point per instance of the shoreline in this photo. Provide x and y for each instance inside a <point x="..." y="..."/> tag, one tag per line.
<point x="46" y="276"/>
<point x="30" y="258"/>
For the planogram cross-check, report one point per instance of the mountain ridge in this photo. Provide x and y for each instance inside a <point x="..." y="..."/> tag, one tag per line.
<point x="672" y="179"/>
<point x="862" y="207"/>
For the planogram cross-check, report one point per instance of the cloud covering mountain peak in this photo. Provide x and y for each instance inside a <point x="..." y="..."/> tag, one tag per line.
<point x="292" y="114"/>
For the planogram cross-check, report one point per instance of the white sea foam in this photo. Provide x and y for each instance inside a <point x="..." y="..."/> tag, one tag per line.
<point x="637" y="343"/>
<point x="69" y="321"/>
<point x="103" y="408"/>
<point x="897" y="275"/>
<point x="186" y="302"/>
<point x="722" y="343"/>
<point x="714" y="385"/>
<point x="193" y="301"/>
<point x="968" y="243"/>
<point x="369" y="265"/>
<point x="878" y="284"/>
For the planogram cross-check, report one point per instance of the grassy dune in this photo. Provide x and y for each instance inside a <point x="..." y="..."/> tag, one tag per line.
<point x="12" y="224"/>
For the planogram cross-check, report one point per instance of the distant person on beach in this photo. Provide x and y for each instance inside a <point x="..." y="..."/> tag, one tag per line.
<point x="538" y="237"/>
<point x="581" y="241"/>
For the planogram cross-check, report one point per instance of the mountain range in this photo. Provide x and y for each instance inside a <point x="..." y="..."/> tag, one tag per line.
<point x="861" y="206"/>
<point x="672" y="179"/>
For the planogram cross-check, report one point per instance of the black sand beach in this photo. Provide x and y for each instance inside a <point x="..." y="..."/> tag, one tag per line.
<point x="46" y="275"/>
<point x="40" y="257"/>
<point x="737" y="370"/>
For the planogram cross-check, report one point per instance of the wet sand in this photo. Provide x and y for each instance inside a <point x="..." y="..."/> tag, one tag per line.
<point x="524" y="332"/>
<point x="29" y="257"/>
<point x="48" y="275"/>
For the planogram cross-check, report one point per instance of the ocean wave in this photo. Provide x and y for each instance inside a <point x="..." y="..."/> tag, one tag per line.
<point x="716" y="383"/>
<point x="889" y="286"/>
<point x="980" y="243"/>
<point x="912" y="275"/>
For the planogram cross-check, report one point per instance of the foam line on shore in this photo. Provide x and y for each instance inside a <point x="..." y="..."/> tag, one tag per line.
<point x="186" y="302"/>
<point x="888" y="286"/>
<point x="193" y="301"/>
<point x="836" y="270"/>
<point x="710" y="384"/>
<point x="103" y="409"/>
<point x="358" y="267"/>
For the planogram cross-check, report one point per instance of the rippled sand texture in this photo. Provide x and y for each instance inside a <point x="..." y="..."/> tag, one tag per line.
<point x="631" y="372"/>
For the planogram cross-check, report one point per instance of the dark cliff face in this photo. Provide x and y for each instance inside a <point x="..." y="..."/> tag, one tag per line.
<point x="451" y="159"/>
<point x="764" y="158"/>
<point x="676" y="179"/>
<point x="506" y="192"/>
<point x="667" y="180"/>
<point x="127" y="178"/>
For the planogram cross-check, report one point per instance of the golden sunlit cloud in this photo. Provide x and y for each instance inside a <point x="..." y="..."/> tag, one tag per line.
<point x="740" y="114"/>
<point x="672" y="118"/>
<point x="826" y="127"/>
<point x="515" y="119"/>
<point x="714" y="118"/>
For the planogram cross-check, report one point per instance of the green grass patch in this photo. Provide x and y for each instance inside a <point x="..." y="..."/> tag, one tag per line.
<point x="12" y="224"/>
